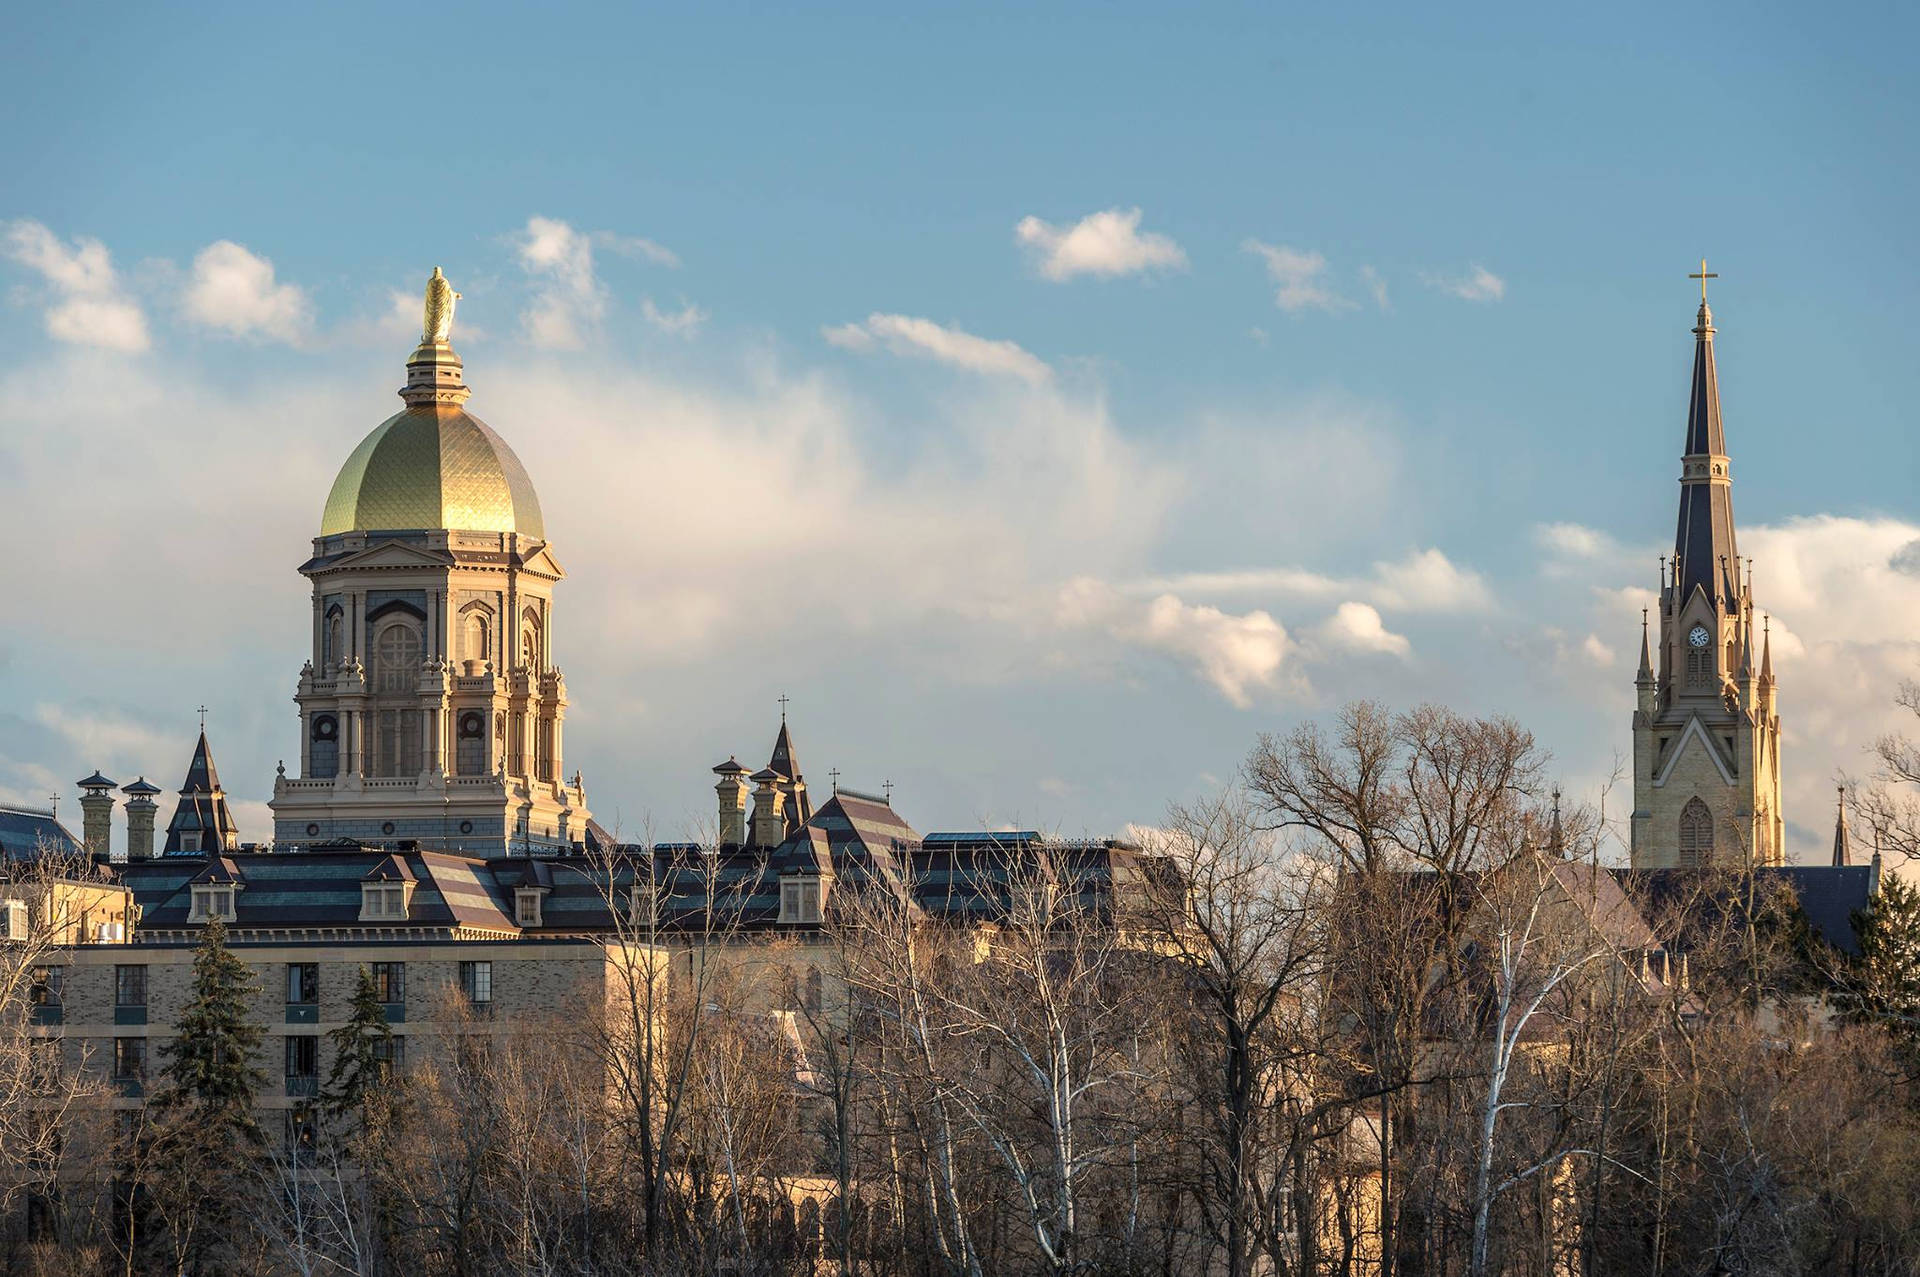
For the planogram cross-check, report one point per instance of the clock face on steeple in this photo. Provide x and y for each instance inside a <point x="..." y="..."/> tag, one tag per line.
<point x="1698" y="636"/>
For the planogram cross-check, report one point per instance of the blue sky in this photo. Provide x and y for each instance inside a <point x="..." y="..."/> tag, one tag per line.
<point x="1400" y="285"/>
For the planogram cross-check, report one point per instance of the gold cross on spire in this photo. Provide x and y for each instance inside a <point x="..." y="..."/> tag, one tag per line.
<point x="1703" y="276"/>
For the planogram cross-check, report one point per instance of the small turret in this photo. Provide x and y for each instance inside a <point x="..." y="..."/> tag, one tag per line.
<point x="1646" y="687"/>
<point x="769" y="822"/>
<point x="96" y="813"/>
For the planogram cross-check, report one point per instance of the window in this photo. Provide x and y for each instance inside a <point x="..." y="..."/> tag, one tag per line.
<point x="1699" y="667"/>
<point x="391" y="1052"/>
<point x="383" y="901"/>
<point x="1696" y="834"/>
<point x="800" y="901"/>
<point x="303" y="1057"/>
<point x="335" y="633"/>
<point x="129" y="1059"/>
<point x="478" y="647"/>
<point x="130" y="986"/>
<point x="397" y="742"/>
<point x="325" y="755"/>
<point x="471" y="749"/>
<point x="49" y="986"/>
<point x="390" y="981"/>
<point x="526" y="906"/>
<point x="397" y="732"/>
<point x="396" y="656"/>
<point x="302" y="1134"/>
<point x="212" y="901"/>
<point x="476" y="981"/>
<point x="303" y="983"/>
<point x="813" y="987"/>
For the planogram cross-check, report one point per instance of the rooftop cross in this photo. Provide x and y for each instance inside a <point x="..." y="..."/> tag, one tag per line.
<point x="834" y="776"/>
<point x="888" y="786"/>
<point x="203" y="720"/>
<point x="1703" y="275"/>
<point x="783" y="707"/>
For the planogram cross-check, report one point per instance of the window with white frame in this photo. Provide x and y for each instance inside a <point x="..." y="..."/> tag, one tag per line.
<point x="526" y="906"/>
<point x="210" y="901"/>
<point x="383" y="901"/>
<point x="476" y="981"/>
<point x="800" y="901"/>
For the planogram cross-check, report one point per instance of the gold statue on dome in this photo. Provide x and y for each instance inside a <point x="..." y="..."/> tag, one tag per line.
<point x="439" y="319"/>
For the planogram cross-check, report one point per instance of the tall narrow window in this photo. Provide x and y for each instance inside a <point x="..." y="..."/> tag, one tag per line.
<point x="471" y="753"/>
<point x="479" y="648"/>
<point x="396" y="656"/>
<point x="336" y="633"/>
<point x="326" y="746"/>
<point x="1696" y="834"/>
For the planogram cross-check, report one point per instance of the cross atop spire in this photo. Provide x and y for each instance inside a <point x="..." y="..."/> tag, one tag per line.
<point x="203" y="720"/>
<point x="1703" y="275"/>
<point x="783" y="707"/>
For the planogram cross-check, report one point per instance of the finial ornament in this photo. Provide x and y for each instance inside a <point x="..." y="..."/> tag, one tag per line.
<point x="1703" y="275"/>
<point x="438" y="323"/>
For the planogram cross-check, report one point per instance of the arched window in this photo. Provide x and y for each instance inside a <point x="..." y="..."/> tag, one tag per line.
<point x="1696" y="834"/>
<point x="334" y="652"/>
<point x="396" y="672"/>
<point x="476" y="636"/>
<point x="396" y="656"/>
<point x="326" y="746"/>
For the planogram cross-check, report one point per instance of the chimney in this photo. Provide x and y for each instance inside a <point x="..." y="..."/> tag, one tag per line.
<point x="732" y="789"/>
<point x="140" y="813"/>
<point x="769" y="824"/>
<point x="96" y="814"/>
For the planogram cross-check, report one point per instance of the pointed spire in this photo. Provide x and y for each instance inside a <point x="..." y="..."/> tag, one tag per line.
<point x="1706" y="556"/>
<point x="1645" y="676"/>
<point x="1766" y="650"/>
<point x="1842" y="843"/>
<point x="1556" y="835"/>
<point x="202" y="822"/>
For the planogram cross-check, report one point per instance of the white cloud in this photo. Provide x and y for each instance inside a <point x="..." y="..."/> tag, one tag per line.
<point x="1478" y="285"/>
<point x="568" y="299"/>
<point x="1106" y="243"/>
<point x="88" y="306"/>
<point x="906" y="335"/>
<point x="1376" y="287"/>
<point x="681" y="323"/>
<point x="1424" y="581"/>
<point x="1236" y="654"/>
<point x="1358" y="628"/>
<point x="1299" y="278"/>
<point x="638" y="247"/>
<point x="234" y="290"/>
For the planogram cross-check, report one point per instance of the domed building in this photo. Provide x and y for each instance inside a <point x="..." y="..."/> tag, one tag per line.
<point x="431" y="708"/>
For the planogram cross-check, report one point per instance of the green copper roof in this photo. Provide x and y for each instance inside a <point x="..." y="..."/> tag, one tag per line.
<point x="433" y="466"/>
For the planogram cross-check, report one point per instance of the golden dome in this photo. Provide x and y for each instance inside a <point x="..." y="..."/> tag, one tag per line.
<point x="434" y="465"/>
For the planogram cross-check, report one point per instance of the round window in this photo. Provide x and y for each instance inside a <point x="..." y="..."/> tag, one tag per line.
<point x="466" y="826"/>
<point x="387" y="828"/>
<point x="312" y="830"/>
<point x="323" y="729"/>
<point x="471" y="725"/>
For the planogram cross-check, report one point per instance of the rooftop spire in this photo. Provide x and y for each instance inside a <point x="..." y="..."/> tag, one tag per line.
<point x="201" y="820"/>
<point x="1766" y="649"/>
<point x="1705" y="553"/>
<point x="1646" y="653"/>
<point x="1842" y="844"/>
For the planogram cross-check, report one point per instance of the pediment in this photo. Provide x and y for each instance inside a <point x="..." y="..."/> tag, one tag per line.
<point x="1694" y="731"/>
<point x="391" y="554"/>
<point x="543" y="562"/>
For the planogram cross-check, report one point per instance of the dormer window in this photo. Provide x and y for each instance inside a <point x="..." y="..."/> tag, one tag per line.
<point x="384" y="901"/>
<point x="210" y="901"/>
<point x="526" y="906"/>
<point x="800" y="901"/>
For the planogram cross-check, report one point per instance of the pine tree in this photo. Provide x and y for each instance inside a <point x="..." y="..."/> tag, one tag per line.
<point x="1884" y="985"/>
<point x="361" y="1049"/>
<point x="213" y="1067"/>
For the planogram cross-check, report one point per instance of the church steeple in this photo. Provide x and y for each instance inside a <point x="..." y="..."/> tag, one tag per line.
<point x="1842" y="842"/>
<point x="202" y="823"/>
<point x="1704" y="552"/>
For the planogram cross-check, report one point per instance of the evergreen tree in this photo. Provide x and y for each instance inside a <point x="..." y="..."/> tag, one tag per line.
<point x="361" y="1050"/>
<point x="1884" y="985"/>
<point x="213" y="1067"/>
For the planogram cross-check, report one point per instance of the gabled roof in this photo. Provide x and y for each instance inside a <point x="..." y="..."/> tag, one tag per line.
<point x="389" y="868"/>
<point x="220" y="870"/>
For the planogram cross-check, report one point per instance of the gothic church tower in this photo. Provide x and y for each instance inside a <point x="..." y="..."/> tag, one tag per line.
<point x="1706" y="734"/>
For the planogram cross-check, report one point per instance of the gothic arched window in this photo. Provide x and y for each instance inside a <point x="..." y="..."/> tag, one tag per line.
<point x="1696" y="834"/>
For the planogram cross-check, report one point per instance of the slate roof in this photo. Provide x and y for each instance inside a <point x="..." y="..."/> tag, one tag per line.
<point x="1828" y="896"/>
<point x="27" y="832"/>
<point x="321" y="889"/>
